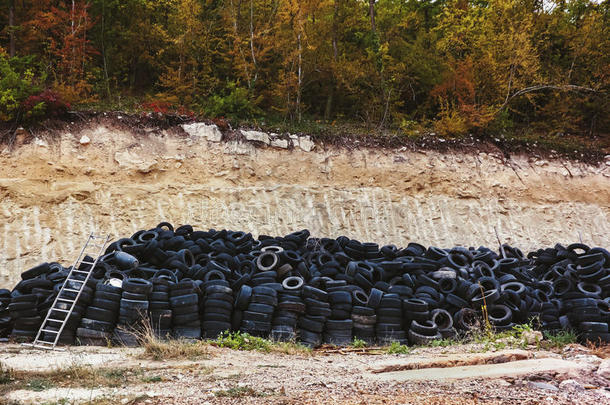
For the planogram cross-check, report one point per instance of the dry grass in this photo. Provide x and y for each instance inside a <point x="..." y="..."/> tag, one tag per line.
<point x="175" y="349"/>
<point x="71" y="376"/>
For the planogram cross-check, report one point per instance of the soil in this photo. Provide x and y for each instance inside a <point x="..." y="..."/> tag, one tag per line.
<point x="55" y="190"/>
<point x="230" y="376"/>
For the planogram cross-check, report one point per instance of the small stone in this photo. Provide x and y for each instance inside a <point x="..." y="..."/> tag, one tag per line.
<point x="542" y="386"/>
<point x="604" y="369"/>
<point x="256" y="136"/>
<point x="280" y="143"/>
<point x="40" y="142"/>
<point x="203" y="130"/>
<point x="306" y="144"/>
<point x="532" y="337"/>
<point x="571" y="385"/>
<point x="85" y="140"/>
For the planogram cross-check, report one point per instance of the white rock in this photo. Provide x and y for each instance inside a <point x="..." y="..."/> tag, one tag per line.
<point x="532" y="337"/>
<point x="203" y="130"/>
<point x="239" y="148"/>
<point x="279" y="143"/>
<point x="85" y="140"/>
<point x="604" y="369"/>
<point x="40" y="142"/>
<point x="256" y="136"/>
<point x="571" y="385"/>
<point x="542" y="386"/>
<point x="306" y="144"/>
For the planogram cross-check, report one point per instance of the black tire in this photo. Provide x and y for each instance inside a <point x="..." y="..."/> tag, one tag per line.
<point x="427" y="328"/>
<point x="418" y="339"/>
<point x="415" y="305"/>
<point x="97" y="325"/>
<point x="100" y="314"/>
<point x="499" y="315"/>
<point x="137" y="286"/>
<point x="593" y="327"/>
<point x="263" y="299"/>
<point x="442" y="319"/>
<point x="262" y="308"/>
<point x="133" y="296"/>
<point x="183" y="300"/>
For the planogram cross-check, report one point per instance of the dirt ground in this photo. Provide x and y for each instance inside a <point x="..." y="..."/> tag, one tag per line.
<point x="55" y="190"/>
<point x="337" y="377"/>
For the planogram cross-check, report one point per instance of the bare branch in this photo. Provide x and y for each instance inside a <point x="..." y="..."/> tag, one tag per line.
<point x="561" y="87"/>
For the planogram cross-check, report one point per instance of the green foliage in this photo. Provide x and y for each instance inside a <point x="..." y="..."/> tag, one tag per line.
<point x="455" y="67"/>
<point x="235" y="104"/>
<point x="558" y="340"/>
<point x="18" y="81"/>
<point x="397" y="348"/>
<point x="358" y="343"/>
<point x="242" y="341"/>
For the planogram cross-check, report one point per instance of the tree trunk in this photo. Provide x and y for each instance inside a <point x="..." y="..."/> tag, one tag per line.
<point x="329" y="101"/>
<point x="372" y="13"/>
<point x="11" y="24"/>
<point x="300" y="78"/>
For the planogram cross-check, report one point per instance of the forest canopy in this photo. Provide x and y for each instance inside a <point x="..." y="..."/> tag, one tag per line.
<point x="455" y="66"/>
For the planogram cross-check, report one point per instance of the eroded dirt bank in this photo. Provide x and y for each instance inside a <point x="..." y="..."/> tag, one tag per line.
<point x="54" y="192"/>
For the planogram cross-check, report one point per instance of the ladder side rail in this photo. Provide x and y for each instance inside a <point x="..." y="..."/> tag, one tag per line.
<point x="73" y="303"/>
<point x="82" y="287"/>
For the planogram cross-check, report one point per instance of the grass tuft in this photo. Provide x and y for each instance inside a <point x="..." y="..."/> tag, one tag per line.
<point x="247" y="342"/>
<point x="397" y="348"/>
<point x="239" y="392"/>
<point x="358" y="343"/>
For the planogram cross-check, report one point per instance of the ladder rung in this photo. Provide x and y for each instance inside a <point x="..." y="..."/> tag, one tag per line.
<point x="49" y="330"/>
<point x="74" y="279"/>
<point x="55" y="320"/>
<point x="81" y="271"/>
<point x="65" y="299"/>
<point x="72" y="289"/>
<point x="58" y="309"/>
<point x="86" y="262"/>
<point x="40" y="341"/>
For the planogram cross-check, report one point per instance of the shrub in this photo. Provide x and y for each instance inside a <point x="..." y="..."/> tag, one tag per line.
<point x="18" y="81"/>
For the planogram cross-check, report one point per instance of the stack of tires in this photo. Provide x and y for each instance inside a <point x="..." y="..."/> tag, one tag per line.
<point x="217" y="308"/>
<point x="159" y="307"/>
<point x="389" y="327"/>
<point x="133" y="311"/>
<point x="257" y="318"/>
<point x="27" y="321"/>
<point x="317" y="311"/>
<point x="290" y="307"/>
<point x="184" y="302"/>
<point x="338" y="329"/>
<point x="6" y="321"/>
<point x="101" y="316"/>
<point x="364" y="318"/>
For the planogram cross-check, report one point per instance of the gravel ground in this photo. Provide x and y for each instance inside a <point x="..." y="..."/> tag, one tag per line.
<point x="230" y="376"/>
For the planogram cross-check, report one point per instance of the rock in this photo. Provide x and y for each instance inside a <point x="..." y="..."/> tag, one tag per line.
<point x="202" y="130"/>
<point x="306" y="144"/>
<point x="85" y="140"/>
<point x="542" y="386"/>
<point x="239" y="148"/>
<point x="256" y="136"/>
<point x="40" y="142"/>
<point x="129" y="160"/>
<point x="532" y="337"/>
<point x="571" y="385"/>
<point x="604" y="369"/>
<point x="280" y="143"/>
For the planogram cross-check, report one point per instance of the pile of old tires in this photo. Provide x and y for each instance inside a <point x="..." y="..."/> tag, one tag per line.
<point x="196" y="284"/>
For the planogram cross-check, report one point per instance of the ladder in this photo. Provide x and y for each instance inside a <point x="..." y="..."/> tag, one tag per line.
<point x="74" y="283"/>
